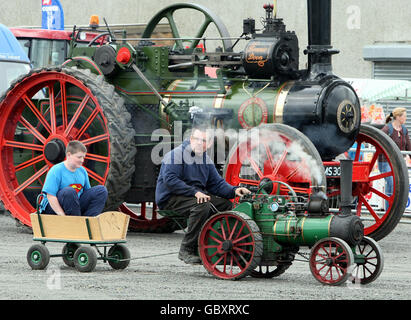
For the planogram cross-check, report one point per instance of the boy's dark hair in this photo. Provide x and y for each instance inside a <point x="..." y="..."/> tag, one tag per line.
<point x="75" y="146"/>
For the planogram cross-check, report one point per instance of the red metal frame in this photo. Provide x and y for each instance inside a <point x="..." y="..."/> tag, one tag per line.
<point x="49" y="34"/>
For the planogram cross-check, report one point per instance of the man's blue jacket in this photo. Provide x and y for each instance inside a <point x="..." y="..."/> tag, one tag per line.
<point x="184" y="173"/>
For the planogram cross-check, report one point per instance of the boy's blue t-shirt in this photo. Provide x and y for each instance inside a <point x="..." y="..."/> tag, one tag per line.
<point x="60" y="177"/>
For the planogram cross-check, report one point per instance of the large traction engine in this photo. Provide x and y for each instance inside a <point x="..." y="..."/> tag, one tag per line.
<point x="113" y="96"/>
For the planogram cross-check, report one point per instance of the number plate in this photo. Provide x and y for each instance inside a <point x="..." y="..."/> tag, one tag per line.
<point x="332" y="171"/>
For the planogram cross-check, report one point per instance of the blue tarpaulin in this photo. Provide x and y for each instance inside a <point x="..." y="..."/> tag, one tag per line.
<point x="10" y="48"/>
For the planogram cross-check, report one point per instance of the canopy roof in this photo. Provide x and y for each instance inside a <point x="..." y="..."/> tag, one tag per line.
<point x="374" y="89"/>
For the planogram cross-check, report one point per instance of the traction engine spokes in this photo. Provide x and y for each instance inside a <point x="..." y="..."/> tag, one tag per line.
<point x="330" y="261"/>
<point x="365" y="190"/>
<point x="382" y="190"/>
<point x="230" y="245"/>
<point x="368" y="262"/>
<point x="40" y="115"/>
<point x="275" y="152"/>
<point x="145" y="218"/>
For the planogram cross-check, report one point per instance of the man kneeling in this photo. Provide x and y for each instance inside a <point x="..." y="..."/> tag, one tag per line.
<point x="67" y="187"/>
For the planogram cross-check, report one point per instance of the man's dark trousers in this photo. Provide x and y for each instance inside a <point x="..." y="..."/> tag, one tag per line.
<point x="91" y="202"/>
<point x="197" y="214"/>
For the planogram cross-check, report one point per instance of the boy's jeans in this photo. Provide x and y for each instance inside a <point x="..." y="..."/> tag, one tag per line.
<point x="91" y="202"/>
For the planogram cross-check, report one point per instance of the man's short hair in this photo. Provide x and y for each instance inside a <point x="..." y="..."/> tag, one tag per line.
<point x="200" y="127"/>
<point x="75" y="146"/>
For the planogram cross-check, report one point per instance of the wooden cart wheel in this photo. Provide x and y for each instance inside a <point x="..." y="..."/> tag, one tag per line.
<point x="68" y="253"/>
<point x="119" y="256"/>
<point x="330" y="261"/>
<point x="85" y="259"/>
<point x="369" y="261"/>
<point x="38" y="257"/>
<point x="230" y="245"/>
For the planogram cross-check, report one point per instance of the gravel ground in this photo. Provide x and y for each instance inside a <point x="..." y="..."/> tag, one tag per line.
<point x="167" y="278"/>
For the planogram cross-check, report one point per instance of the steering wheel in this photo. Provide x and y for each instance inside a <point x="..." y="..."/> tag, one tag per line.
<point x="263" y="192"/>
<point x="209" y="16"/>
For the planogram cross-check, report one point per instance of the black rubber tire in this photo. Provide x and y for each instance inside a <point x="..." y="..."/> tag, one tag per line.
<point x="275" y="271"/>
<point x="68" y="253"/>
<point x="401" y="184"/>
<point x="85" y="259"/>
<point x="38" y="256"/>
<point x="120" y="252"/>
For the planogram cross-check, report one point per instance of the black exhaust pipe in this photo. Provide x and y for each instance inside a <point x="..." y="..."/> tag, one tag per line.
<point x="319" y="48"/>
<point x="346" y="187"/>
<point x="319" y="22"/>
<point x="345" y="225"/>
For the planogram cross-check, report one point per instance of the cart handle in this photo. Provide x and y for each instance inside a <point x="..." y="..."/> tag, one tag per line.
<point x="40" y="198"/>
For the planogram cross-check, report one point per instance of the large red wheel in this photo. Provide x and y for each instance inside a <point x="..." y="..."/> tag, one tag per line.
<point x="230" y="245"/>
<point x="330" y="261"/>
<point x="145" y="218"/>
<point x="378" y="147"/>
<point x="276" y="152"/>
<point x="41" y="113"/>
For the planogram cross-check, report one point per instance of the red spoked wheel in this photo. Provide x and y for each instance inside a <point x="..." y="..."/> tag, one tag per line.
<point x="384" y="207"/>
<point x="145" y="218"/>
<point x="330" y="261"/>
<point x="275" y="152"/>
<point x="230" y="245"/>
<point x="41" y="113"/>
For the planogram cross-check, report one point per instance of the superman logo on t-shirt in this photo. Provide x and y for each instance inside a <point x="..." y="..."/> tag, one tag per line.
<point x="76" y="186"/>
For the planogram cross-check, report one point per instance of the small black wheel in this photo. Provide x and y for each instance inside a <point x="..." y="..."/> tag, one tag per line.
<point x="119" y="256"/>
<point x="38" y="257"/>
<point x="68" y="253"/>
<point x="269" y="271"/>
<point x="274" y="271"/>
<point x="85" y="259"/>
<point x="368" y="261"/>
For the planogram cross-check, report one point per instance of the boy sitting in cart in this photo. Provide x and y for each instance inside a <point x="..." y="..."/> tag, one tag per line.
<point x="67" y="189"/>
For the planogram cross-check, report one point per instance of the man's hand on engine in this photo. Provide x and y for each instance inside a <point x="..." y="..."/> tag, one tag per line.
<point x="240" y="192"/>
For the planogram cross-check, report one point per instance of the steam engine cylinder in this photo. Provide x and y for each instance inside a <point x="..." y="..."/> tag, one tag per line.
<point x="265" y="57"/>
<point x="308" y="230"/>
